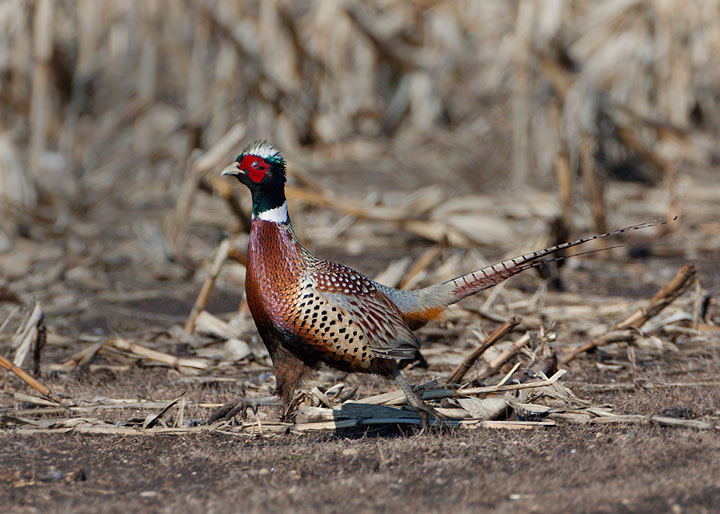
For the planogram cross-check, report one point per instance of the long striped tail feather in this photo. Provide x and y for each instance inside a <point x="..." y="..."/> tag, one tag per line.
<point x="466" y="285"/>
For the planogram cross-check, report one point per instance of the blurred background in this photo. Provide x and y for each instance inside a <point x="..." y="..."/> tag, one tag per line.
<point x="461" y="131"/>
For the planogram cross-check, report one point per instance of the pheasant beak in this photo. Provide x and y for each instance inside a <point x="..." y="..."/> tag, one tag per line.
<point x="233" y="169"/>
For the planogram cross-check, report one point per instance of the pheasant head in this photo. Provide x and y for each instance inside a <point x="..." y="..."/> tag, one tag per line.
<point x="261" y="168"/>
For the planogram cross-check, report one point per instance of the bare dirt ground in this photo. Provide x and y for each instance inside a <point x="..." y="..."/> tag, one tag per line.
<point x="588" y="469"/>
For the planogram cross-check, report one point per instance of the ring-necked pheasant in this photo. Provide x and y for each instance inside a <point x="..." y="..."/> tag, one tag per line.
<point x="310" y="311"/>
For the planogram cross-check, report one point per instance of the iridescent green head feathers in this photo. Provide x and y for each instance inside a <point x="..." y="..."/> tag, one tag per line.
<point x="261" y="168"/>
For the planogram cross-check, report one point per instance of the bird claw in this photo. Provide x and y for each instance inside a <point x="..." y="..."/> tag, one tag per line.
<point x="240" y="406"/>
<point x="427" y="412"/>
<point x="231" y="409"/>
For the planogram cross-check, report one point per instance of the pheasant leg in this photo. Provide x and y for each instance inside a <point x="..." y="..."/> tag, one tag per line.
<point x="424" y="410"/>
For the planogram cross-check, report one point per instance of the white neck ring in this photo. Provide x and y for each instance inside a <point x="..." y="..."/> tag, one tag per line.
<point x="275" y="215"/>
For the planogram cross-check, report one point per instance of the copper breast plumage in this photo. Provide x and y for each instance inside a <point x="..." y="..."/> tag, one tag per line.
<point x="334" y="310"/>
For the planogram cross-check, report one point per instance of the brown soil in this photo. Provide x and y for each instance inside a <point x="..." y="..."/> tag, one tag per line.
<point x="558" y="469"/>
<point x="571" y="469"/>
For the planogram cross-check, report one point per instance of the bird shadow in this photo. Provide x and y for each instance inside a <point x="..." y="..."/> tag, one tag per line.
<point x="355" y="420"/>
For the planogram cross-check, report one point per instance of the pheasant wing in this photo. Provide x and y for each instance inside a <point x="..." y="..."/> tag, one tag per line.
<point x="381" y="324"/>
<point x="364" y="313"/>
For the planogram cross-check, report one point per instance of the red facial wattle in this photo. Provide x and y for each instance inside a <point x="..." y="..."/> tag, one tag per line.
<point x="255" y="167"/>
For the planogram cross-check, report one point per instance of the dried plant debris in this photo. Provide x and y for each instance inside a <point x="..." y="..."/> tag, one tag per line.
<point x="535" y="404"/>
<point x="513" y="403"/>
<point x="501" y="382"/>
